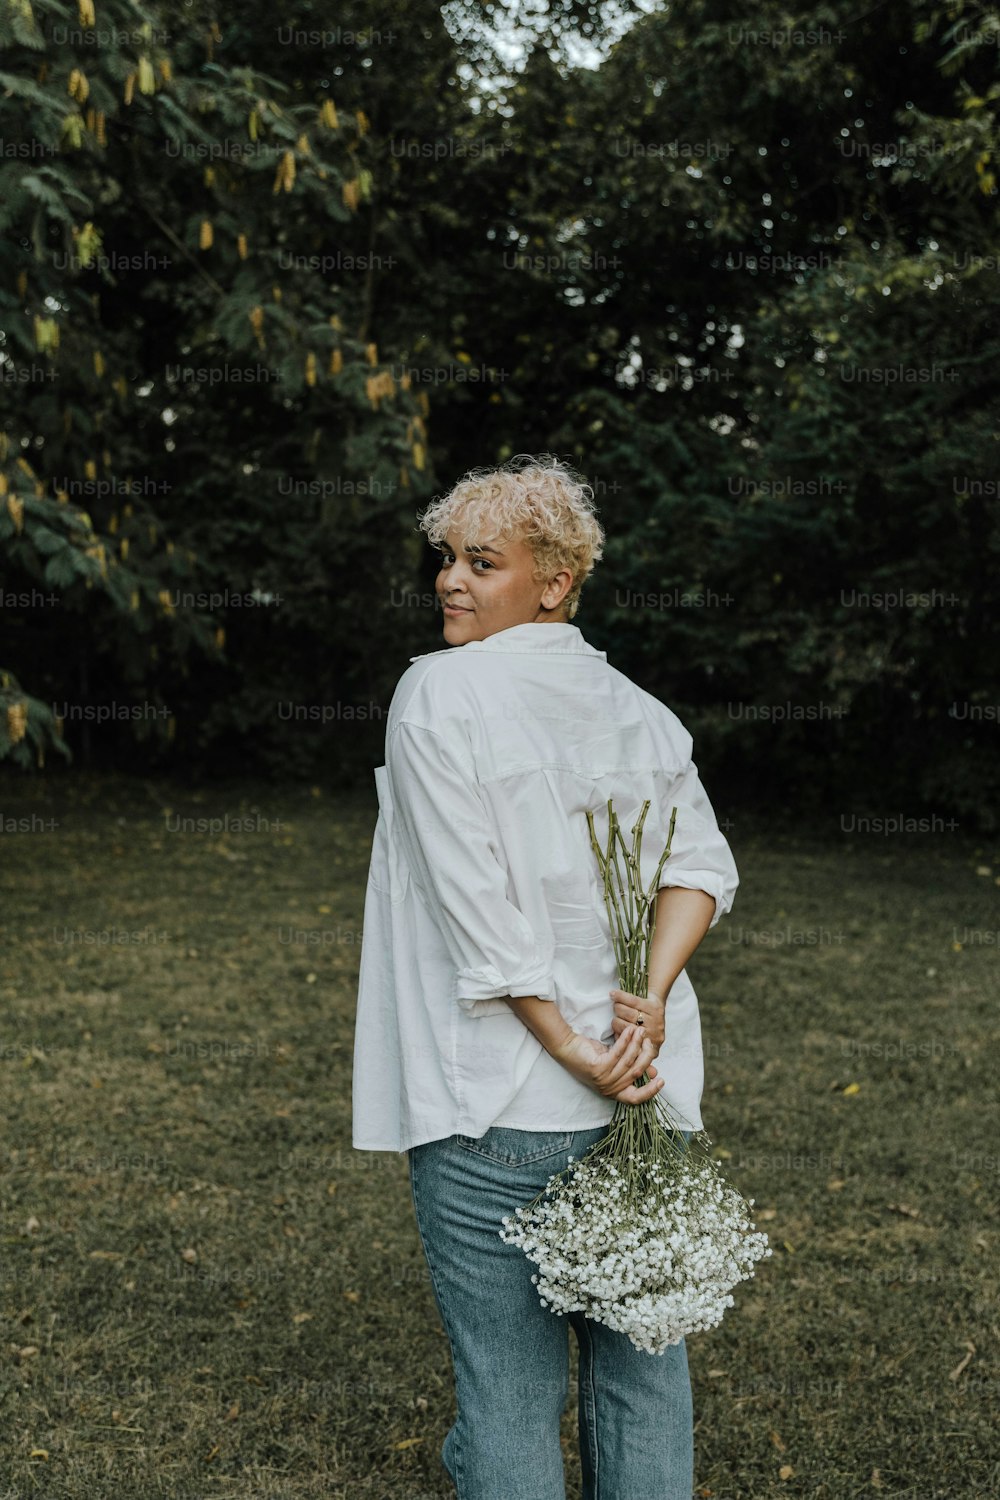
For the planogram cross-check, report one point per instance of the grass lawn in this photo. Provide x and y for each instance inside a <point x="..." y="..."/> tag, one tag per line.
<point x="207" y="1292"/>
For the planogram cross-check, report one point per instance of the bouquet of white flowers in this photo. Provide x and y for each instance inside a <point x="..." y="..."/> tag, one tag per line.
<point x="642" y="1233"/>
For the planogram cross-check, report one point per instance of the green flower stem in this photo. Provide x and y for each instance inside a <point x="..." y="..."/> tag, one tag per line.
<point x="635" y="1128"/>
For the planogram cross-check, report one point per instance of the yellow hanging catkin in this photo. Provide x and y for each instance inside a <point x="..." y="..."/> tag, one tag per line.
<point x="15" y="509"/>
<point x="17" y="722"/>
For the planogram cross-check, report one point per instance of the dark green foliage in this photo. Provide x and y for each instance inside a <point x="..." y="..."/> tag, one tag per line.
<point x="748" y="286"/>
<point x="168" y="374"/>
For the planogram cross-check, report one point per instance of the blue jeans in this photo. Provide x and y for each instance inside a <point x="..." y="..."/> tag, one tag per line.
<point x="510" y="1355"/>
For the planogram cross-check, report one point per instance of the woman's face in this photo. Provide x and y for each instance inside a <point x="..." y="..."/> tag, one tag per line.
<point x="493" y="588"/>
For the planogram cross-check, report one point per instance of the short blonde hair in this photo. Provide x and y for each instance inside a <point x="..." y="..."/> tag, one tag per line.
<point x="534" y="499"/>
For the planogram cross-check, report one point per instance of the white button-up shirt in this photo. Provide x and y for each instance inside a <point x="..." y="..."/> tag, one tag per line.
<point x="483" y="883"/>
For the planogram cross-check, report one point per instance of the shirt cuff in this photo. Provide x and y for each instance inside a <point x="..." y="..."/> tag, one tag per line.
<point x="708" y="881"/>
<point x="480" y="992"/>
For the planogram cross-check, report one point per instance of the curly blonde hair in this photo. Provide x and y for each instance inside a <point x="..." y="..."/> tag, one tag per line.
<point x="535" y="499"/>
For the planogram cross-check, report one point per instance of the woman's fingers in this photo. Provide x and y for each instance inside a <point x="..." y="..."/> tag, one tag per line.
<point x="622" y="1054"/>
<point x="634" y="1053"/>
<point x="630" y="1037"/>
<point x="631" y="1041"/>
<point x="639" y="1093"/>
<point x="653" y="1023"/>
<point x="630" y="1056"/>
<point x="653" y="1086"/>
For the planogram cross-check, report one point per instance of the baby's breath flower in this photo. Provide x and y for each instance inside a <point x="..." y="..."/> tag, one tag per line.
<point x="642" y="1233"/>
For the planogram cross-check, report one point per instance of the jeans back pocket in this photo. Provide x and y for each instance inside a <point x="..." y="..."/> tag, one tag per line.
<point x="514" y="1148"/>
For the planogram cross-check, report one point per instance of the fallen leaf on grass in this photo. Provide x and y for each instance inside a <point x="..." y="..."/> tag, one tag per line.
<point x="106" y="1255"/>
<point x="189" y="1255"/>
<point x="353" y="1296"/>
<point x="966" y="1358"/>
<point x="408" y="1443"/>
<point x="39" y="1453"/>
<point x="766" y="1214"/>
<point x="786" y="1471"/>
<point x="835" y="1184"/>
<point x="776" y="1440"/>
<point x="876" y="1480"/>
<point x="302" y="1317"/>
<point x="853" y="1088"/>
<point x="904" y="1208"/>
<point x="716" y="1374"/>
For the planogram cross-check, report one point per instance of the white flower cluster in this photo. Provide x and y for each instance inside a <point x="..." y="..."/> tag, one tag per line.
<point x="650" y="1248"/>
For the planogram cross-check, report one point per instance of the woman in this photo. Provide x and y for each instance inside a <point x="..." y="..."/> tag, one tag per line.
<point x="492" y="1043"/>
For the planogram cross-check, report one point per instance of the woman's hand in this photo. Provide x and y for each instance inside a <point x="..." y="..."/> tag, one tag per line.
<point x="612" y="1071"/>
<point x="650" y="1009"/>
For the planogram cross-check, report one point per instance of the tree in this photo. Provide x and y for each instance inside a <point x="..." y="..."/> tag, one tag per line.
<point x="178" y="365"/>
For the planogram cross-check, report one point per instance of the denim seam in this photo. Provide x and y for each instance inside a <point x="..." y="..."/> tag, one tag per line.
<point x="456" y="1446"/>
<point x="586" y="1384"/>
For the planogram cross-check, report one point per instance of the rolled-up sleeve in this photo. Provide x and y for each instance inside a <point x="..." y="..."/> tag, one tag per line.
<point x="445" y="832"/>
<point x="700" y="858"/>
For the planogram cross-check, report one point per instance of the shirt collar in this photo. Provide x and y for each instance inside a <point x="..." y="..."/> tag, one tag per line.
<point x="548" y="639"/>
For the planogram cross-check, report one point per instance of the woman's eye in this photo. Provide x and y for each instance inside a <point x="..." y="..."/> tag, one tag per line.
<point x="449" y="557"/>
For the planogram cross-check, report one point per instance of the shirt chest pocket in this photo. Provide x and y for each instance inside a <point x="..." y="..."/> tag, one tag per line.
<point x="575" y="919"/>
<point x="388" y="872"/>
